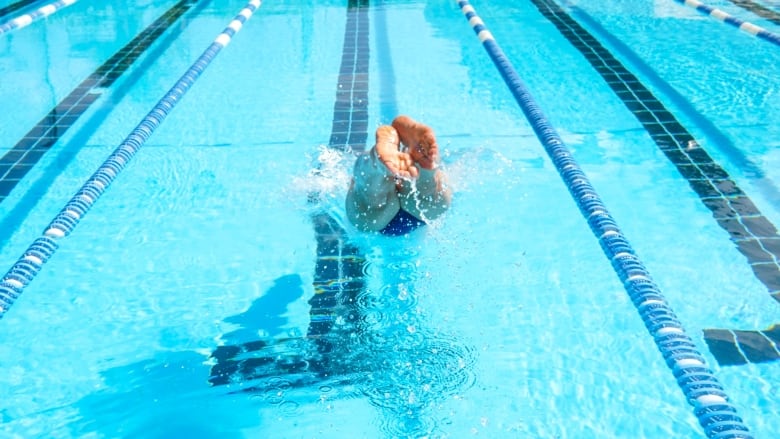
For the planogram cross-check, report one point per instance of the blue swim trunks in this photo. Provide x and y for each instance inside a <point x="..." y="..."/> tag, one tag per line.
<point x="402" y="223"/>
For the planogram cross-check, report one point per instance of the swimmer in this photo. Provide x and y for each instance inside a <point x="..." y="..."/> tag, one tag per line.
<point x="398" y="186"/>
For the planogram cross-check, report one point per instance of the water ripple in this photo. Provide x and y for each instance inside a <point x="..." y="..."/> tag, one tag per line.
<point x="390" y="299"/>
<point x="406" y="271"/>
<point x="415" y="372"/>
<point x="409" y="426"/>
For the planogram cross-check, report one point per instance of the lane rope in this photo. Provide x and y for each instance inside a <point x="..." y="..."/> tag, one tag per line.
<point x="27" y="19"/>
<point x="38" y="253"/>
<point x="702" y="390"/>
<point x="744" y="26"/>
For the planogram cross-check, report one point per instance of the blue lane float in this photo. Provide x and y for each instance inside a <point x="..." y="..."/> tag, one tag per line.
<point x="29" y="265"/>
<point x="747" y="27"/>
<point x="702" y="390"/>
<point x="26" y="19"/>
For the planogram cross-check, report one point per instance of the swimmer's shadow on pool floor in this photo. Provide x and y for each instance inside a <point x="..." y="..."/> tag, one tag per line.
<point x="299" y="361"/>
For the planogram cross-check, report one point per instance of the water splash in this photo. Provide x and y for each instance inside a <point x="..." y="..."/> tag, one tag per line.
<point x="473" y="167"/>
<point x="329" y="178"/>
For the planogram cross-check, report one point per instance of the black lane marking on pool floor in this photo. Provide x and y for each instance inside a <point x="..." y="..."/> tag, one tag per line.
<point x="338" y="273"/>
<point x="732" y="347"/>
<point x="350" y="112"/>
<point x="18" y="161"/>
<point x="760" y="10"/>
<point x="14" y="7"/>
<point x="755" y="236"/>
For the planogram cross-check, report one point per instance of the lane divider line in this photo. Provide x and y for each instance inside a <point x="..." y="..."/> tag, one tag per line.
<point x="758" y="9"/>
<point x="27" y="19"/>
<point x="720" y="15"/>
<point x="30" y="263"/>
<point x="28" y="151"/>
<point x="701" y="388"/>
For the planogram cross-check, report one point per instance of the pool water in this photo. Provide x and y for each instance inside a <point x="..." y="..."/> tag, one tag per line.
<point x="185" y="302"/>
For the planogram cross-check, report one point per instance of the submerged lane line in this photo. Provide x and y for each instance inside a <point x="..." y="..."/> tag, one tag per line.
<point x="749" y="229"/>
<point x="701" y="388"/>
<point x="350" y="111"/>
<point x="27" y="152"/>
<point x="26" y="19"/>
<point x="338" y="272"/>
<point x="338" y="275"/>
<point x="752" y="233"/>
<point x="747" y="27"/>
<point x="29" y="265"/>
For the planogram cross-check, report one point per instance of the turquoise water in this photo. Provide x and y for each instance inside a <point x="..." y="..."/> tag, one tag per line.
<point x="503" y="320"/>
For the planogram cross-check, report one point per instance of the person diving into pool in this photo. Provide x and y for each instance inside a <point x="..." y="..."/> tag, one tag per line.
<point x="398" y="185"/>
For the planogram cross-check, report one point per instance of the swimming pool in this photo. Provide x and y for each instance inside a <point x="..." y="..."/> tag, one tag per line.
<point x="180" y="305"/>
